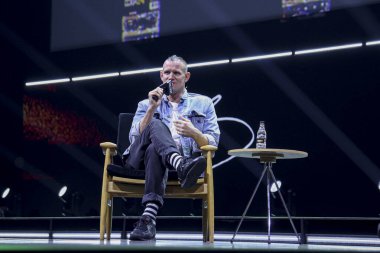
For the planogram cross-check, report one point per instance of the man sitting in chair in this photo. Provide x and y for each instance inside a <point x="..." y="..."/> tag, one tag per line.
<point x="167" y="132"/>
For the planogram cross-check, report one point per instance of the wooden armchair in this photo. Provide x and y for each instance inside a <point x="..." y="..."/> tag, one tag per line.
<point x="113" y="186"/>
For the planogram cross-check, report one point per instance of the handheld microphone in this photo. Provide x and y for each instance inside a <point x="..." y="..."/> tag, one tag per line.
<point x="167" y="87"/>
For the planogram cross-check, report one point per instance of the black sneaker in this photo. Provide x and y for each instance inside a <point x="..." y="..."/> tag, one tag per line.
<point x="190" y="170"/>
<point x="144" y="229"/>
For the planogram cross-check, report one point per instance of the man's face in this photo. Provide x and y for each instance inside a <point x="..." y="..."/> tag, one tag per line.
<point x="175" y="71"/>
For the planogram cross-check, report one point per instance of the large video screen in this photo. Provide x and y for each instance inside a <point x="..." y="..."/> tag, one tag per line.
<point x="84" y="23"/>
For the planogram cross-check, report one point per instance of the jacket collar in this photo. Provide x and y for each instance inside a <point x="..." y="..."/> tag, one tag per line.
<point x="184" y="96"/>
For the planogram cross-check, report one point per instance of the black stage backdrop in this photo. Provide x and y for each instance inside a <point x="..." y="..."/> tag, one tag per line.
<point x="324" y="104"/>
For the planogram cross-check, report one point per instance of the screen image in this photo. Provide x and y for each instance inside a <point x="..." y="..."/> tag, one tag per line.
<point x="293" y="8"/>
<point x="142" y="21"/>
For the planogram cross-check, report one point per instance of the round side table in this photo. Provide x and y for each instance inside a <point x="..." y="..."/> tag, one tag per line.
<point x="267" y="157"/>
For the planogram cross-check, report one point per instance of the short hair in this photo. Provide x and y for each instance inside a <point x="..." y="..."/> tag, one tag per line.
<point x="177" y="58"/>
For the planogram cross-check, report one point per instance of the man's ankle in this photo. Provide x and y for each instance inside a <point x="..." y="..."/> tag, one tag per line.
<point x="174" y="160"/>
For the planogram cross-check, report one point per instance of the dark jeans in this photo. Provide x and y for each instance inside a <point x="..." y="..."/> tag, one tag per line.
<point x="149" y="152"/>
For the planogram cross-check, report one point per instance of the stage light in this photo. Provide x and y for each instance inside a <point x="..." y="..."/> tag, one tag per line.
<point x="327" y="49"/>
<point x="5" y="193"/>
<point x="71" y="202"/>
<point x="372" y="43"/>
<point x="342" y="240"/>
<point x="62" y="80"/>
<point x="80" y="235"/>
<point x="4" y="203"/>
<point x="273" y="187"/>
<point x="262" y="57"/>
<point x="98" y="76"/>
<point x="207" y="63"/>
<point x="24" y="235"/>
<point x="140" y="71"/>
<point x="62" y="191"/>
<point x="66" y="201"/>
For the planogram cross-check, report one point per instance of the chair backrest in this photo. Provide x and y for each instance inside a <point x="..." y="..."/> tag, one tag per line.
<point x="125" y="123"/>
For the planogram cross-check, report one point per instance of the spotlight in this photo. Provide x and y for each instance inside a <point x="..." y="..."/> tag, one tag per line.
<point x="10" y="202"/>
<point x="66" y="201"/>
<point x="62" y="191"/>
<point x="71" y="202"/>
<point x="5" y="193"/>
<point x="273" y="187"/>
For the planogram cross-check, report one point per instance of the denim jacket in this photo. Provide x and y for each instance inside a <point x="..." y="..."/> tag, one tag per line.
<point x="197" y="108"/>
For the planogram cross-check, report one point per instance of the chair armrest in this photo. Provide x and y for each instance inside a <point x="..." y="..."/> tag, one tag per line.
<point x="208" y="148"/>
<point x="109" y="145"/>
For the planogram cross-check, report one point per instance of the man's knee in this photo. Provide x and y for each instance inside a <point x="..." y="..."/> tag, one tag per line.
<point x="155" y="123"/>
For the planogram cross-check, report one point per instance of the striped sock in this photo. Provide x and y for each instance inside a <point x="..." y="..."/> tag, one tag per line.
<point x="175" y="160"/>
<point x="151" y="210"/>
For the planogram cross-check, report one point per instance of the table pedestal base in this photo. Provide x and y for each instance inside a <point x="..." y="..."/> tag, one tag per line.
<point x="269" y="175"/>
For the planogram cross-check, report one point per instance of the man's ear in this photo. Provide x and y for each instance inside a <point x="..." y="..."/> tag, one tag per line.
<point x="161" y="75"/>
<point x="187" y="76"/>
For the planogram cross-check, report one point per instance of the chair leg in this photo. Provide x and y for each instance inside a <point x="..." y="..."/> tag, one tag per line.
<point x="210" y="199"/>
<point x="105" y="195"/>
<point x="205" y="225"/>
<point x="210" y="219"/>
<point x="109" y="219"/>
<point x="103" y="214"/>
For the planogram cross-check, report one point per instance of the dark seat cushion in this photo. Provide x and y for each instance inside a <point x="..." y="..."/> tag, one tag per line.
<point x="119" y="171"/>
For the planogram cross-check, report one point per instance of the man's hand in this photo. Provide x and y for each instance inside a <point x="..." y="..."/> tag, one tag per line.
<point x="157" y="93"/>
<point x="185" y="128"/>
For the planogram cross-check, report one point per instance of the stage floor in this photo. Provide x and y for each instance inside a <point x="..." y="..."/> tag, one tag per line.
<point x="185" y="242"/>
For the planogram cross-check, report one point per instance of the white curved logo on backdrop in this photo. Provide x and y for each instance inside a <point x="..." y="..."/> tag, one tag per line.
<point x="216" y="100"/>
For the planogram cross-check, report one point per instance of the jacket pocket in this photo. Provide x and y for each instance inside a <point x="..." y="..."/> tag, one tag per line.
<point x="197" y="119"/>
